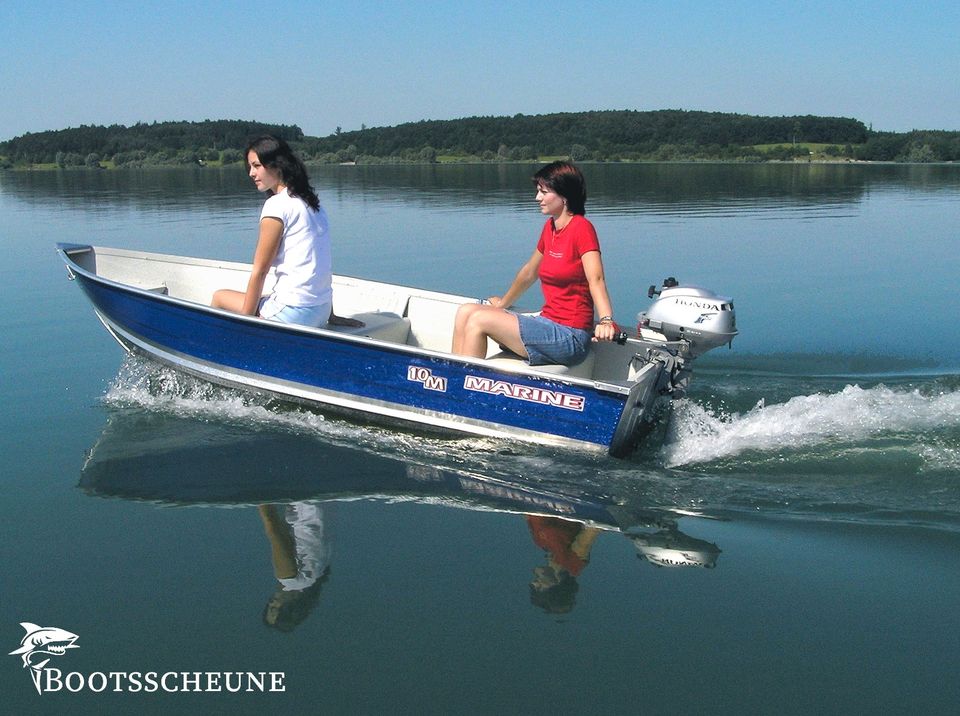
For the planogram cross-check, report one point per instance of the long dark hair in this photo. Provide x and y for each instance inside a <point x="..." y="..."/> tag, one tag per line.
<point x="567" y="181"/>
<point x="274" y="153"/>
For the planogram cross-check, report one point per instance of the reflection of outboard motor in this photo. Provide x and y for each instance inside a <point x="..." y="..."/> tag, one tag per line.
<point x="672" y="548"/>
<point x="697" y="317"/>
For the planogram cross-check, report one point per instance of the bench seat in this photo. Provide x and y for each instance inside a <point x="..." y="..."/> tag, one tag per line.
<point x="381" y="326"/>
<point x="583" y="369"/>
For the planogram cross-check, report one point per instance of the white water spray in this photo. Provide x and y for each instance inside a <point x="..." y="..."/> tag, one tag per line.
<point x="854" y="414"/>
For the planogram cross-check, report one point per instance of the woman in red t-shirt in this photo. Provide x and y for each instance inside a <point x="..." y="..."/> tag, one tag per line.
<point x="567" y="262"/>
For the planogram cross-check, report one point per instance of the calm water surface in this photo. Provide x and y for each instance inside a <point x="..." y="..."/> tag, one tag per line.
<point x="786" y="543"/>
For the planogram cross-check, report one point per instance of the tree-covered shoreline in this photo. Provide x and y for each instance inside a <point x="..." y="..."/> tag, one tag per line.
<point x="609" y="136"/>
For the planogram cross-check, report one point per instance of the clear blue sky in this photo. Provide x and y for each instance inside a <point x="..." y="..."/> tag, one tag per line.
<point x="320" y="65"/>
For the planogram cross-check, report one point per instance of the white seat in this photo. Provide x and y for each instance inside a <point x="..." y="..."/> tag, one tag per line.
<point x="583" y="369"/>
<point x="431" y="322"/>
<point x="352" y="296"/>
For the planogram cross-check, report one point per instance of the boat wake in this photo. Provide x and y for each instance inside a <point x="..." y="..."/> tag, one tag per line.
<point x="863" y="428"/>
<point x="155" y="388"/>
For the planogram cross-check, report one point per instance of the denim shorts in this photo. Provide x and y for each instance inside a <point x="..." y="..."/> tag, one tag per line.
<point x="548" y="342"/>
<point x="314" y="316"/>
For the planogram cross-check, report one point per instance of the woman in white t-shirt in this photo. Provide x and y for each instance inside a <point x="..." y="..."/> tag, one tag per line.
<point x="294" y="240"/>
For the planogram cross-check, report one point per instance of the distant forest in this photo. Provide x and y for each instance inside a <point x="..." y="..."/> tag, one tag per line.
<point x="610" y="136"/>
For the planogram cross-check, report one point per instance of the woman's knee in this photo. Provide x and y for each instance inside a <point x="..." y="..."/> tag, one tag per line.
<point x="228" y="299"/>
<point x="495" y="323"/>
<point x="220" y="298"/>
<point x="484" y="322"/>
<point x="466" y="312"/>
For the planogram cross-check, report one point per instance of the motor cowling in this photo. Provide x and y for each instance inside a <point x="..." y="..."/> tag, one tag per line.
<point x="697" y="316"/>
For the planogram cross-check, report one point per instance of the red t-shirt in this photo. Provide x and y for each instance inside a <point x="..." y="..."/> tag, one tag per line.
<point x="566" y="293"/>
<point x="555" y="536"/>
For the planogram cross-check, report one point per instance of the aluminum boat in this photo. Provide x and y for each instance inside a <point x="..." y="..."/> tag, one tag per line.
<point x="397" y="368"/>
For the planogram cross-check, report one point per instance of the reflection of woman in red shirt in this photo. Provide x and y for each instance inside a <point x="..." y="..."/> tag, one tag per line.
<point x="568" y="544"/>
<point x="567" y="262"/>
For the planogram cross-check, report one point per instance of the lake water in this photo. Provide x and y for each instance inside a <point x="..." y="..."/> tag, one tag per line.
<point x="810" y="482"/>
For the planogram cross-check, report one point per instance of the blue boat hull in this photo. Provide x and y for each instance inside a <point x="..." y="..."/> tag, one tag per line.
<point x="355" y="375"/>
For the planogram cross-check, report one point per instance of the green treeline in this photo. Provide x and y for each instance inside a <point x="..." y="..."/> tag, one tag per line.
<point x="665" y="135"/>
<point x="159" y="143"/>
<point x="603" y="136"/>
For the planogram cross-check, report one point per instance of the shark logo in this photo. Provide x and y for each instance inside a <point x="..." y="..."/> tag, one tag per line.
<point x="43" y="640"/>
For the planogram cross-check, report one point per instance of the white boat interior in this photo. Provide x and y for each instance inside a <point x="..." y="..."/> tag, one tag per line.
<point x="391" y="313"/>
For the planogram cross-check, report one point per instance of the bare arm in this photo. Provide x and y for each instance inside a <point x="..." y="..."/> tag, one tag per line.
<point x="271" y="232"/>
<point x="593" y="268"/>
<point x="525" y="278"/>
<point x="282" y="547"/>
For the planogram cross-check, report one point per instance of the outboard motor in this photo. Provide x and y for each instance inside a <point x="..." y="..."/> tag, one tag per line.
<point x="696" y="317"/>
<point x="684" y="322"/>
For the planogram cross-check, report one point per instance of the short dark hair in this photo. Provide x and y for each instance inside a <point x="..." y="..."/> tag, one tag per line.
<point x="566" y="180"/>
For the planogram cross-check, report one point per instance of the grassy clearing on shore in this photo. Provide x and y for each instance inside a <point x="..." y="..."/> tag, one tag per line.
<point x="810" y="146"/>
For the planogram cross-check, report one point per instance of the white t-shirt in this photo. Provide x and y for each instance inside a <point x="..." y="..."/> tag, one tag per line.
<point x="303" y="263"/>
<point x="313" y="550"/>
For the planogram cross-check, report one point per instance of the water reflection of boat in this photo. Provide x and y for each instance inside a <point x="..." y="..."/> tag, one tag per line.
<point x="292" y="479"/>
<point x="398" y="368"/>
<point x="146" y="456"/>
<point x="177" y="461"/>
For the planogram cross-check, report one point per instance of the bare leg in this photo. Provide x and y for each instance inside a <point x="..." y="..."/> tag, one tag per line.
<point x="228" y="299"/>
<point x="475" y="323"/>
<point x="460" y="325"/>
